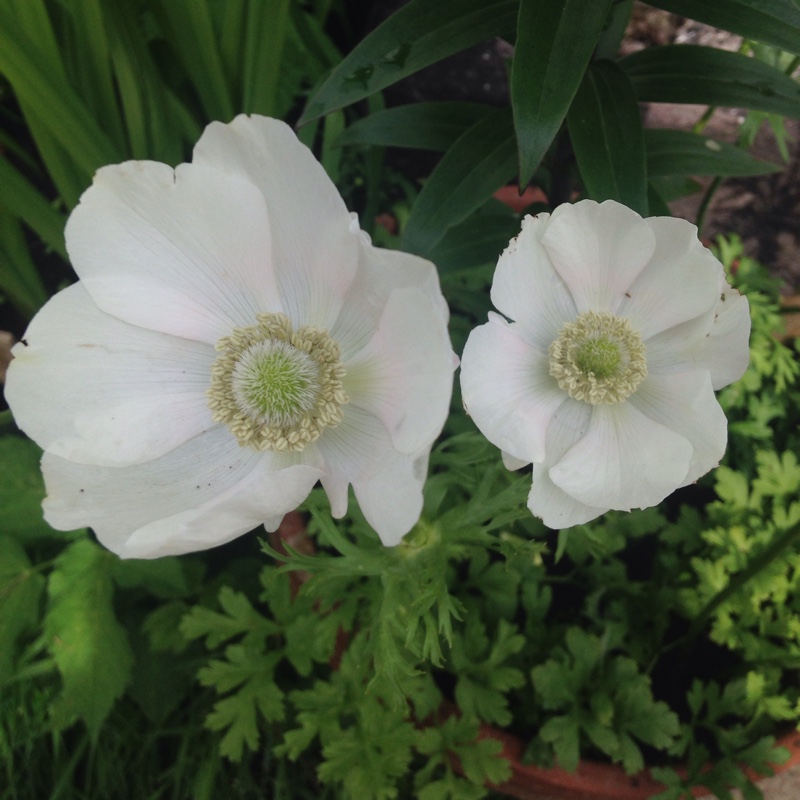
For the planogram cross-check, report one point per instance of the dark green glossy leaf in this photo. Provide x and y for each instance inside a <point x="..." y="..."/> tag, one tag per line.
<point x="671" y="187"/>
<point x="555" y="40"/>
<point x="417" y="35"/>
<point x="672" y="152"/>
<point x="479" y="163"/>
<point x="687" y="73"/>
<point x="476" y="241"/>
<point x="606" y="132"/>
<point x="775" y="22"/>
<point x="656" y="202"/>
<point x="427" y="126"/>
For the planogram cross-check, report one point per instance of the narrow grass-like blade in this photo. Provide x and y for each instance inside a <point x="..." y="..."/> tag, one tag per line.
<point x="21" y="199"/>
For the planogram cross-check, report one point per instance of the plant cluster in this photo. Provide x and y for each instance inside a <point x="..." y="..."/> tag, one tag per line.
<point x="326" y="664"/>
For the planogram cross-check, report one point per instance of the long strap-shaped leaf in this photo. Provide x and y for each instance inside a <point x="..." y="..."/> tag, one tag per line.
<point x="417" y="35"/>
<point x="427" y="126"/>
<point x="479" y="163"/>
<point x="685" y="73"/>
<point x="555" y="41"/>
<point x="606" y="132"/>
<point x="775" y="22"/>
<point x="684" y="153"/>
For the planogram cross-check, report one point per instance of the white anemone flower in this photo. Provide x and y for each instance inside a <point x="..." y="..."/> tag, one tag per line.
<point x="234" y="338"/>
<point x="621" y="329"/>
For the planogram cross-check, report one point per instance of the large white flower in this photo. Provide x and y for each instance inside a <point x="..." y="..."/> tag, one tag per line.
<point x="234" y="338"/>
<point x="622" y="328"/>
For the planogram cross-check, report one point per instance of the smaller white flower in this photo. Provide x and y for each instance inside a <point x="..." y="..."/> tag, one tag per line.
<point x="233" y="339"/>
<point x="621" y="329"/>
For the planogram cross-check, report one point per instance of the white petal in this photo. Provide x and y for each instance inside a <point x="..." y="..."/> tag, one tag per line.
<point x="250" y="504"/>
<point x="93" y="389"/>
<point x="391" y="500"/>
<point x="380" y="272"/>
<point x="200" y="495"/>
<point x="315" y="252"/>
<point x="547" y="501"/>
<point x="716" y="341"/>
<point x="509" y="462"/>
<point x="685" y="403"/>
<point x="726" y="351"/>
<point x="527" y="288"/>
<point x="508" y="390"/>
<point x="359" y="452"/>
<point x="404" y="375"/>
<point x="598" y="249"/>
<point x="680" y="282"/>
<point x="185" y="252"/>
<point x="625" y="460"/>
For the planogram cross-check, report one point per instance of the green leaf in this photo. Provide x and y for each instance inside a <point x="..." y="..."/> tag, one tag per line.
<point x="22" y="489"/>
<point x="23" y="200"/>
<point x="51" y="98"/>
<point x="672" y="152"/>
<point x="19" y="279"/>
<point x="555" y="40"/>
<point x="775" y="22"/>
<point x="606" y="131"/>
<point x="251" y="674"/>
<point x="417" y="35"/>
<point x="427" y="126"/>
<point x="686" y="73"/>
<point x="190" y="32"/>
<point x="476" y="241"/>
<point x="20" y="592"/>
<point x="89" y="646"/>
<point x="453" y="192"/>
<point x="239" y="618"/>
<point x="162" y="577"/>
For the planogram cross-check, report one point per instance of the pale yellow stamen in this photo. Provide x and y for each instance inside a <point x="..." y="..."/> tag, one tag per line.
<point x="598" y="358"/>
<point x="276" y="388"/>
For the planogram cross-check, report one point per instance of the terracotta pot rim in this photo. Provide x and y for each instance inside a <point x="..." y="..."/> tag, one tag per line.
<point x="599" y="781"/>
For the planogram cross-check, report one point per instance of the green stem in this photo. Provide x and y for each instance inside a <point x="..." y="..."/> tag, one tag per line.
<point x="705" y="202"/>
<point x="760" y="562"/>
<point x="701" y="123"/>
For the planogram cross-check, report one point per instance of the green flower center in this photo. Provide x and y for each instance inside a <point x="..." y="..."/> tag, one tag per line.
<point x="277" y="388"/>
<point x="598" y="358"/>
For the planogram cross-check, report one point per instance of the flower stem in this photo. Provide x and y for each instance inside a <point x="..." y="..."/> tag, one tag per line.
<point x="705" y="202"/>
<point x="760" y="562"/>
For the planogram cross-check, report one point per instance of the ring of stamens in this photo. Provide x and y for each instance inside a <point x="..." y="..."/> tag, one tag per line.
<point x="598" y="358"/>
<point x="277" y="388"/>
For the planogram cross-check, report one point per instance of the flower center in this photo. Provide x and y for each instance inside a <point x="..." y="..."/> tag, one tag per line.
<point x="598" y="358"/>
<point x="277" y="388"/>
